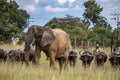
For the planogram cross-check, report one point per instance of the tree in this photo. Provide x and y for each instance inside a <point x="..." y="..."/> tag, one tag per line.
<point x="92" y="11"/>
<point x="116" y="35"/>
<point x="12" y="20"/>
<point x="100" y="25"/>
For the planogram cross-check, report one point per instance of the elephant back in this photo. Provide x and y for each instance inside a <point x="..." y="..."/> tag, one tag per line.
<point x="62" y="41"/>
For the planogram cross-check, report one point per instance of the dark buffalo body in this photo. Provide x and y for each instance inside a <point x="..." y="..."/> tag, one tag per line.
<point x="19" y="55"/>
<point x="100" y="58"/>
<point x="31" y="55"/>
<point x="72" y="58"/>
<point x="13" y="55"/>
<point x="3" y="55"/>
<point x="86" y="58"/>
<point x="115" y="59"/>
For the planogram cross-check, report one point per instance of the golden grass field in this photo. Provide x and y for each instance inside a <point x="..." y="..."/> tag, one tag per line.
<point x="18" y="71"/>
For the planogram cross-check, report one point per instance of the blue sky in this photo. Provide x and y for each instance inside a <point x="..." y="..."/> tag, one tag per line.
<point x="44" y="10"/>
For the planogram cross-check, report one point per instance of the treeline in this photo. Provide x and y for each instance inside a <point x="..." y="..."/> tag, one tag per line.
<point x="93" y="28"/>
<point x="81" y="34"/>
<point x="12" y="21"/>
<point x="80" y="31"/>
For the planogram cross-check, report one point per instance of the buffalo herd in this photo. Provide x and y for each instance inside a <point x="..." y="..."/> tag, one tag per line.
<point x="85" y="56"/>
<point x="16" y="55"/>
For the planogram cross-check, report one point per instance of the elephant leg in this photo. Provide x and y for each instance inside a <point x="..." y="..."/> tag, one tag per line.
<point x="65" y="62"/>
<point x="60" y="61"/>
<point x="52" y="60"/>
<point x="37" y="55"/>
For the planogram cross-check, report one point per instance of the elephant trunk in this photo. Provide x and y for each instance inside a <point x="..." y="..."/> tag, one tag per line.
<point x="29" y="41"/>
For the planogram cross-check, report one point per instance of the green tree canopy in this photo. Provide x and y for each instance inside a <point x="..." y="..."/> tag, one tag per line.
<point x="12" y="20"/>
<point x="92" y="13"/>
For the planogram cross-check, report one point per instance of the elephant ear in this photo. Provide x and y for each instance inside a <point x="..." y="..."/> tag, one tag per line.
<point x="47" y="38"/>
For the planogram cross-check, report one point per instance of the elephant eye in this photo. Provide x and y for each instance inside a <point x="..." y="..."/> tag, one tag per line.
<point x="38" y="35"/>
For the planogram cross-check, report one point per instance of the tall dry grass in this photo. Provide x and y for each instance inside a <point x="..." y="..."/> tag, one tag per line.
<point x="18" y="71"/>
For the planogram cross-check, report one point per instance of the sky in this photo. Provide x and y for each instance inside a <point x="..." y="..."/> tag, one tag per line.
<point x="41" y="11"/>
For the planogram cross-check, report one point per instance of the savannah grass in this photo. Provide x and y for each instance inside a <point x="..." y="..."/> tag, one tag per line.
<point x="18" y="71"/>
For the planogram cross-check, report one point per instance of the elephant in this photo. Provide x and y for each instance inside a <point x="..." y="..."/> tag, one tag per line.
<point x="55" y="43"/>
<point x="72" y="58"/>
<point x="100" y="58"/>
<point x="86" y="58"/>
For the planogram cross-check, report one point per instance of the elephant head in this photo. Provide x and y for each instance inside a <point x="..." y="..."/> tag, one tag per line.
<point x="44" y="37"/>
<point x="38" y="34"/>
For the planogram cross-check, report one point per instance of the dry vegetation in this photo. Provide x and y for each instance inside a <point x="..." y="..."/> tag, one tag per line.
<point x="18" y="71"/>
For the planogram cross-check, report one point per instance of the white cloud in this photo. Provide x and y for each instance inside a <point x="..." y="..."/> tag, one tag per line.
<point x="36" y="1"/>
<point x="62" y="1"/>
<point x="56" y="9"/>
<point x="114" y="8"/>
<point x="103" y="0"/>
<point x="71" y="1"/>
<point x="30" y="8"/>
<point x="76" y="8"/>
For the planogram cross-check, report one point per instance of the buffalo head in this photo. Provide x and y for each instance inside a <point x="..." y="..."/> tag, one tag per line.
<point x="72" y="58"/>
<point x="86" y="58"/>
<point x="13" y="55"/>
<point x="115" y="59"/>
<point x="100" y="58"/>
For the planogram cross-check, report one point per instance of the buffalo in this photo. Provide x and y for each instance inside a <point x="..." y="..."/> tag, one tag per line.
<point x="86" y="58"/>
<point x="72" y="58"/>
<point x="31" y="56"/>
<point x="3" y="55"/>
<point x="14" y="55"/>
<point x="115" y="59"/>
<point x="100" y="58"/>
<point x="19" y="55"/>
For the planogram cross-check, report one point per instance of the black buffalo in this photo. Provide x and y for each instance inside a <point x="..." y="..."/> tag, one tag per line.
<point x="115" y="59"/>
<point x="86" y="58"/>
<point x="100" y="58"/>
<point x="3" y="55"/>
<point x="19" y="55"/>
<point x="31" y="56"/>
<point x="72" y="58"/>
<point x="14" y="55"/>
